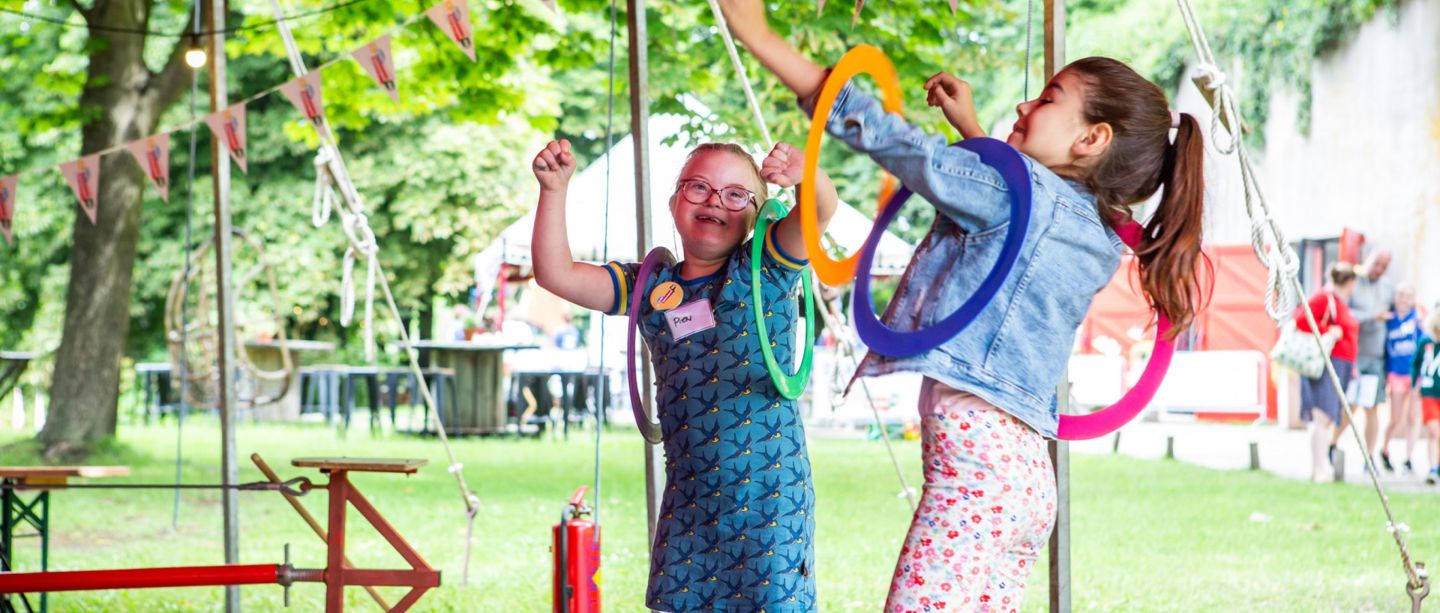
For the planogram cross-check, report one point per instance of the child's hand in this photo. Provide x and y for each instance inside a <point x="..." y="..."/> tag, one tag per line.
<point x="554" y="165"/>
<point x="955" y="99"/>
<point x="785" y="165"/>
<point x="746" y="18"/>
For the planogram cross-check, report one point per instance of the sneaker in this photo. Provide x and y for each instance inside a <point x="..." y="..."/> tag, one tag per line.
<point x="1433" y="477"/>
<point x="1409" y="468"/>
<point x="1385" y="461"/>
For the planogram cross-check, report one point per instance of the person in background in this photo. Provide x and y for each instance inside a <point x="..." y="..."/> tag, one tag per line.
<point x="1425" y="376"/>
<point x="1402" y="335"/>
<point x="1371" y="304"/>
<point x="1320" y="404"/>
<point x="567" y="336"/>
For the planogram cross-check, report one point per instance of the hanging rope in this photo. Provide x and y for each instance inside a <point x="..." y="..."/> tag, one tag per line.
<point x="1284" y="288"/>
<point x="769" y="144"/>
<point x="602" y="402"/>
<point x="185" y="296"/>
<point x="1226" y="135"/>
<point x="362" y="238"/>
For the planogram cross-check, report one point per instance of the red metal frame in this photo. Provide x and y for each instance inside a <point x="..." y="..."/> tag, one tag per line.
<point x="179" y="576"/>
<point x="419" y="578"/>
<point x="336" y="575"/>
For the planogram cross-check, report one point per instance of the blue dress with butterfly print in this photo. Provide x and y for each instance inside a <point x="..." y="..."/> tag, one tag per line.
<point x="737" y="516"/>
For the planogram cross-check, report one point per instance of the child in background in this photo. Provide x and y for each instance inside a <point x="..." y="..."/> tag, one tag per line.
<point x="1097" y="141"/>
<point x="1425" y="376"/>
<point x="737" y="517"/>
<point x="1402" y="334"/>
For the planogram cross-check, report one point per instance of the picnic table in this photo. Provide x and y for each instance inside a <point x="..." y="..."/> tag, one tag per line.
<point x="15" y="510"/>
<point x="478" y="405"/>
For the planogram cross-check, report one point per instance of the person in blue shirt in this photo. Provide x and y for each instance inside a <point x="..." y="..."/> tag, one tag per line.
<point x="1402" y="335"/>
<point x="1097" y="141"/>
<point x="736" y="530"/>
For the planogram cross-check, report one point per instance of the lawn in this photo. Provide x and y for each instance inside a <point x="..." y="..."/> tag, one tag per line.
<point x="1147" y="536"/>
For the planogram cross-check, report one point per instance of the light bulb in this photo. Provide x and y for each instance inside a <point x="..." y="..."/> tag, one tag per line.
<point x="194" y="56"/>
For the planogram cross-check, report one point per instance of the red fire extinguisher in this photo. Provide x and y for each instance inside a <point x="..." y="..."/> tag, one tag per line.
<point x="576" y="543"/>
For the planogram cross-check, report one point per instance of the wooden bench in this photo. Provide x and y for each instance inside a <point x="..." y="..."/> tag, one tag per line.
<point x="368" y="465"/>
<point x="36" y="512"/>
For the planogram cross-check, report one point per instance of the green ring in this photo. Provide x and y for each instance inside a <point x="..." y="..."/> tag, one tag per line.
<point x="790" y="386"/>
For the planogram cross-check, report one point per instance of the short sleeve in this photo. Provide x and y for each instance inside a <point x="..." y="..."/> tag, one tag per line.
<point x="779" y="267"/>
<point x="622" y="281"/>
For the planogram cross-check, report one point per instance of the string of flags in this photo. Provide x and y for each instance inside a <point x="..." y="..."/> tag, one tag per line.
<point x="227" y="125"/>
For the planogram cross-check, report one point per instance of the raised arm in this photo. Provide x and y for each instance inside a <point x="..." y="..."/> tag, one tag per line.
<point x="747" y="23"/>
<point x="784" y="167"/>
<point x="555" y="270"/>
<point x="954" y="180"/>
<point x="955" y="99"/>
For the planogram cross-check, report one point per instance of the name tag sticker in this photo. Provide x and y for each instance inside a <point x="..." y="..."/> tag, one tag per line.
<point x="691" y="318"/>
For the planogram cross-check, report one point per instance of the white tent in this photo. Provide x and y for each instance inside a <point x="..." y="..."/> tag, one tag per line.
<point x="585" y="213"/>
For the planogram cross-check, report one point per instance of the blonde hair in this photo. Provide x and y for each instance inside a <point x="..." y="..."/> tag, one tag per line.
<point x="762" y="194"/>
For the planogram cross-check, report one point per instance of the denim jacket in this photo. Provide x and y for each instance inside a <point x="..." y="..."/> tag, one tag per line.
<point x="1014" y="352"/>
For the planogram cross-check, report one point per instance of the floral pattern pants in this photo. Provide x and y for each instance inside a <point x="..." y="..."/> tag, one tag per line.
<point x="987" y="509"/>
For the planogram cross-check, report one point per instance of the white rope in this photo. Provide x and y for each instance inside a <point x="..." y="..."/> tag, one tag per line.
<point x="357" y="227"/>
<point x="740" y="70"/>
<point x="1283" y="289"/>
<point x="324" y="189"/>
<point x="1227" y="137"/>
<point x="362" y="244"/>
<point x="769" y="144"/>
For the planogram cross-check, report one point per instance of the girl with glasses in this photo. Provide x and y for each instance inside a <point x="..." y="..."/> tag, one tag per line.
<point x="736" y="529"/>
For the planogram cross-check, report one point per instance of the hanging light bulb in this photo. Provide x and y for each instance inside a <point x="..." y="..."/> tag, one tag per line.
<point x="195" y="55"/>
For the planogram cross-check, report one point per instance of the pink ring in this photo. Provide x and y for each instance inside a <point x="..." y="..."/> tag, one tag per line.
<point x="1111" y="418"/>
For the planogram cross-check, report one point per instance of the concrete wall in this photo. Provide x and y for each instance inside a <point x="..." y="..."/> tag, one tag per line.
<point x="1372" y="159"/>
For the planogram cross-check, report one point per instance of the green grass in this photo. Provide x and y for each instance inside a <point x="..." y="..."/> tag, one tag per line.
<point x="1147" y="536"/>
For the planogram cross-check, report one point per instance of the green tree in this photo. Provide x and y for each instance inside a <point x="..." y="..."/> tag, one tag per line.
<point x="441" y="172"/>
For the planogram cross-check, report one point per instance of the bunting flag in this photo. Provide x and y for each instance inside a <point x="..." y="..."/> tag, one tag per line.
<point x="307" y="94"/>
<point x="152" y="153"/>
<point x="453" y="18"/>
<point x="859" y="4"/>
<point x="375" y="58"/>
<point x="228" y="128"/>
<point x="7" y="205"/>
<point x="83" y="175"/>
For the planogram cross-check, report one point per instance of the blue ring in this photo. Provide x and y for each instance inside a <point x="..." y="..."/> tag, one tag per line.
<point x="896" y="344"/>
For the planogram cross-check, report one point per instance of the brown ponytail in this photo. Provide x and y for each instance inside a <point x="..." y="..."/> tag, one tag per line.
<point x="1139" y="161"/>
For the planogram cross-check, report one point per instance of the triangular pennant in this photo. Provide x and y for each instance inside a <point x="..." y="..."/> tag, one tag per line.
<point x="83" y="175"/>
<point x="307" y="94"/>
<point x="375" y="58"/>
<point x="152" y="153"/>
<point x="821" y="8"/>
<point x="859" y="4"/>
<point x="453" y="18"/>
<point x="7" y="205"/>
<point x="954" y="7"/>
<point x="228" y="127"/>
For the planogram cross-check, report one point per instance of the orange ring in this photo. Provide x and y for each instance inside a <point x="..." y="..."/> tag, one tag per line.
<point x="863" y="59"/>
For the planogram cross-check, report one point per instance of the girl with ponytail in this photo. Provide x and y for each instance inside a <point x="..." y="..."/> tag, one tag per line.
<point x="1099" y="140"/>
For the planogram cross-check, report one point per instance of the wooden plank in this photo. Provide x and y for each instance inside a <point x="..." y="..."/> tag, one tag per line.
<point x="52" y="472"/>
<point x="373" y="465"/>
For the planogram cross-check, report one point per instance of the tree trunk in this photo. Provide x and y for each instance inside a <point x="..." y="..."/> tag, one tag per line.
<point x="129" y="98"/>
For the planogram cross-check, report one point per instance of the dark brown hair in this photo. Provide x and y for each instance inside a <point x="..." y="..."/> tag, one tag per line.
<point x="1342" y="273"/>
<point x="1139" y="161"/>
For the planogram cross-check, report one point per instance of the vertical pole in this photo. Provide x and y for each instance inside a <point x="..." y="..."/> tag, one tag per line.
<point x="43" y="501"/>
<point x="339" y="492"/>
<point x="220" y="162"/>
<point x="8" y="498"/>
<point x="1059" y="450"/>
<point x="640" y="136"/>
